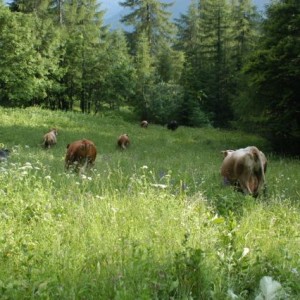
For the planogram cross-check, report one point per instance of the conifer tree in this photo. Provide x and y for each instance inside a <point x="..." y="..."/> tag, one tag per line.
<point x="24" y="68"/>
<point x="83" y="25"/>
<point x="149" y="18"/>
<point x="271" y="104"/>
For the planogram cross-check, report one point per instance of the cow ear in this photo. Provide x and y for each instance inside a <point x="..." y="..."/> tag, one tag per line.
<point x="255" y="155"/>
<point x="68" y="146"/>
<point x="224" y="152"/>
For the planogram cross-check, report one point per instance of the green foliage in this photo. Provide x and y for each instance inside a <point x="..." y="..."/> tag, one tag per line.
<point x="23" y="69"/>
<point x="163" y="102"/>
<point x="149" y="222"/>
<point x="150" y="19"/>
<point x="273" y="75"/>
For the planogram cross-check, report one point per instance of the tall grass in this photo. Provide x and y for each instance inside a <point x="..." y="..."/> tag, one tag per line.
<point x="151" y="222"/>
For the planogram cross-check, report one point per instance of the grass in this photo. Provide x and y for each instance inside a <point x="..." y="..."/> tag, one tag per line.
<point x="151" y="222"/>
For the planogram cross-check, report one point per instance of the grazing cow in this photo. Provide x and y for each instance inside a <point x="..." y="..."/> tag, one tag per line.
<point x="144" y="124"/>
<point x="172" y="125"/>
<point x="123" y="141"/>
<point x="80" y="153"/>
<point x="4" y="154"/>
<point x="50" y="138"/>
<point x="245" y="168"/>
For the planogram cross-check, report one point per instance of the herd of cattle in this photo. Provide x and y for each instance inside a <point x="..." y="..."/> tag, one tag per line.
<point x="243" y="168"/>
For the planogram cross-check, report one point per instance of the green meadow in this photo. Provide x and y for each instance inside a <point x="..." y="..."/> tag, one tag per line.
<point x="151" y="222"/>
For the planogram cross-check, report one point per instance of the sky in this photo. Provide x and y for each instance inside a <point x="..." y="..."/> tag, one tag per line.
<point x="112" y="7"/>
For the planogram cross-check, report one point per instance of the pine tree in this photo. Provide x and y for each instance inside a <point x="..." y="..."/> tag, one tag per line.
<point x="272" y="105"/>
<point x="145" y="76"/>
<point x="149" y="18"/>
<point x="83" y="25"/>
<point x="118" y="84"/>
<point x="23" y="63"/>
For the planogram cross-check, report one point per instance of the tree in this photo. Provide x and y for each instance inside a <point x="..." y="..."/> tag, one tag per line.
<point x="145" y="77"/>
<point x="83" y="49"/>
<point x="244" y="31"/>
<point x="23" y="59"/>
<point x="149" y="18"/>
<point x="118" y="85"/>
<point x="273" y="106"/>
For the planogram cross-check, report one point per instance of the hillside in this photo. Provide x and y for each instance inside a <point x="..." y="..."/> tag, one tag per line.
<point x="150" y="222"/>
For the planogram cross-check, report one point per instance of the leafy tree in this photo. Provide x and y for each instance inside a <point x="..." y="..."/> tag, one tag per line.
<point x="163" y="102"/>
<point x="272" y="104"/>
<point x="83" y="49"/>
<point x="30" y="6"/>
<point x="169" y="64"/>
<point x="23" y="62"/>
<point x="118" y="85"/>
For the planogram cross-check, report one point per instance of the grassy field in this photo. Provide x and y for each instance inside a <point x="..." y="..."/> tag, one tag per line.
<point x="150" y="222"/>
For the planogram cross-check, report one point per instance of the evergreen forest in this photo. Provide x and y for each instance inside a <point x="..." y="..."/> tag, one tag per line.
<point x="220" y="64"/>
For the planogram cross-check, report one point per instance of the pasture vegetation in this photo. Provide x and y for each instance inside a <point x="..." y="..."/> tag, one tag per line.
<point x="150" y="222"/>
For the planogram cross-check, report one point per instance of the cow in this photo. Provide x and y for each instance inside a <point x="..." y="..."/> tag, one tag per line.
<point x="80" y="154"/>
<point x="144" y="124"/>
<point x="50" y="138"/>
<point x="4" y="154"/>
<point x="245" y="169"/>
<point x="172" y="125"/>
<point x="123" y="141"/>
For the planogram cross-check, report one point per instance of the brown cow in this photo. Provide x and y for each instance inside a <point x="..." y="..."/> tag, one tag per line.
<point x="245" y="168"/>
<point x="123" y="141"/>
<point x="50" y="138"/>
<point x="80" y="153"/>
<point x="144" y="124"/>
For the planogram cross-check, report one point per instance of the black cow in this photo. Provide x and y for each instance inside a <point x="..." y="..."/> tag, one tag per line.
<point x="172" y="125"/>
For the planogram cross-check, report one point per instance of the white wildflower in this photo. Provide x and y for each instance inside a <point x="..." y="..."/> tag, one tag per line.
<point x="144" y="167"/>
<point x="246" y="251"/>
<point x="270" y="289"/>
<point x="231" y="294"/>
<point x="161" y="186"/>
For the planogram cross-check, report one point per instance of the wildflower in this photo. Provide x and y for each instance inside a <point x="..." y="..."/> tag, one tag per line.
<point x="48" y="177"/>
<point x="245" y="253"/>
<point x="231" y="294"/>
<point x="144" y="167"/>
<point x="162" y="186"/>
<point x="270" y="289"/>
